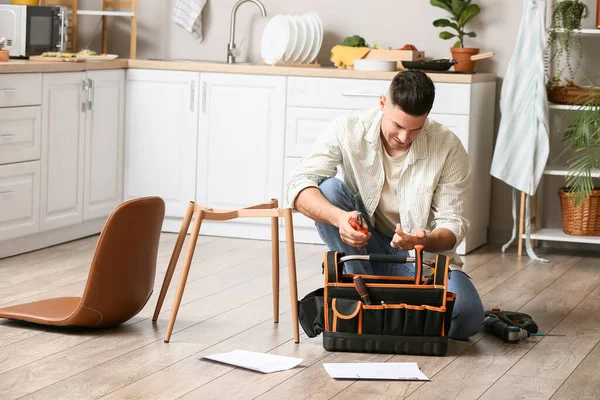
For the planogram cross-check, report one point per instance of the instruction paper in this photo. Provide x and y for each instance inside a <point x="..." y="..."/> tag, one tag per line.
<point x="405" y="371"/>
<point x="261" y="362"/>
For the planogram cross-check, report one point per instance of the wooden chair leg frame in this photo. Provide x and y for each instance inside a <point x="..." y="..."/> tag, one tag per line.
<point x="268" y="209"/>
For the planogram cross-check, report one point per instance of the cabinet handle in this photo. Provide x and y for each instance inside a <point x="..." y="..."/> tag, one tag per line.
<point x="203" y="97"/>
<point x="8" y="90"/>
<point x="192" y="93"/>
<point x="354" y="94"/>
<point x="7" y="135"/>
<point x="90" y="94"/>
<point x="6" y="193"/>
<point x="86" y="90"/>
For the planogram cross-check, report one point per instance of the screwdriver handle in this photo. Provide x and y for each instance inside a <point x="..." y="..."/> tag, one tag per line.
<point x="361" y="288"/>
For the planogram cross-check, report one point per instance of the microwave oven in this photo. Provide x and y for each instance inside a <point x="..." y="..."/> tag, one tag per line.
<point x="33" y="30"/>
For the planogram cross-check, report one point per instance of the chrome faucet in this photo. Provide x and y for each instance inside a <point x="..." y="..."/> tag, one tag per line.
<point x="231" y="45"/>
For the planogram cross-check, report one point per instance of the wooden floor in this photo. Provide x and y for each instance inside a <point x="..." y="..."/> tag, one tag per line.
<point x="228" y="305"/>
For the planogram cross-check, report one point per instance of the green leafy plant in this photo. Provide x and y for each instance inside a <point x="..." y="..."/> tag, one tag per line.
<point x="583" y="138"/>
<point x="566" y="18"/>
<point x="461" y="11"/>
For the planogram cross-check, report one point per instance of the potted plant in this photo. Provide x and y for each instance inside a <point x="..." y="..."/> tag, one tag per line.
<point x="580" y="199"/>
<point x="564" y="51"/>
<point x="461" y="12"/>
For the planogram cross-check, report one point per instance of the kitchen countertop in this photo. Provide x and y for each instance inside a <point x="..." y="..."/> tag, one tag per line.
<point x="24" y="66"/>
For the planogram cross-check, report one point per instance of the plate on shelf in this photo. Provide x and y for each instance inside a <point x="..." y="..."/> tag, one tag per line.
<point x="106" y="57"/>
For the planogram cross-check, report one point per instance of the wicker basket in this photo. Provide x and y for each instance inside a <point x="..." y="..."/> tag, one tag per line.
<point x="571" y="95"/>
<point x="583" y="220"/>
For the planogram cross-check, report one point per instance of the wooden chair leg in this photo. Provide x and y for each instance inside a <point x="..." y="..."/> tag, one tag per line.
<point x="291" y="260"/>
<point x="184" y="273"/>
<point x="174" y="258"/>
<point x="521" y="225"/>
<point x="275" y="266"/>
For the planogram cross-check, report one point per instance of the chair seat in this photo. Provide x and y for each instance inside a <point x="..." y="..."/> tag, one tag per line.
<point x="49" y="312"/>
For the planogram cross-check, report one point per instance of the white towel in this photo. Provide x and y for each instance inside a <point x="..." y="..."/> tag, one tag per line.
<point x="188" y="14"/>
<point x="522" y="146"/>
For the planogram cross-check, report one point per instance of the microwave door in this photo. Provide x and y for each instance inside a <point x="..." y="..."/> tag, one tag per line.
<point x="40" y="30"/>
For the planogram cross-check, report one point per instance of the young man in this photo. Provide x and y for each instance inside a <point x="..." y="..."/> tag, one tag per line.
<point x="406" y="174"/>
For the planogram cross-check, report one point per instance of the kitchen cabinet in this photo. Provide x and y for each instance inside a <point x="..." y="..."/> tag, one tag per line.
<point x="62" y="169"/>
<point x="161" y="132"/>
<point x="240" y="147"/>
<point x="19" y="199"/>
<point x="82" y="150"/>
<point x="104" y="127"/>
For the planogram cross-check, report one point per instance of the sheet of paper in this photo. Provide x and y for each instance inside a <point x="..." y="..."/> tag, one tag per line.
<point x="261" y="362"/>
<point x="408" y="371"/>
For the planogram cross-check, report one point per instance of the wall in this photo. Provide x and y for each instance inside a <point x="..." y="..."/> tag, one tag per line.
<point x="384" y="22"/>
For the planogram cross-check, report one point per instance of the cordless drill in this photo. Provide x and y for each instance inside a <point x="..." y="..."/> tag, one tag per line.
<point x="509" y="325"/>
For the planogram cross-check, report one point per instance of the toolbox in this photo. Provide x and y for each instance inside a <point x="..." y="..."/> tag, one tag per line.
<point x="381" y="314"/>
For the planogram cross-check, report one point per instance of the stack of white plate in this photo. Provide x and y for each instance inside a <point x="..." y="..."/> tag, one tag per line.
<point x="291" y="39"/>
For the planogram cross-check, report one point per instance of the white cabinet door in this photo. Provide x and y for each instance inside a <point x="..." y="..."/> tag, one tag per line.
<point x="161" y="128"/>
<point x="104" y="143"/>
<point x="19" y="199"/>
<point x="241" y="141"/>
<point x="459" y="124"/>
<point x="304" y="125"/>
<point x="63" y="128"/>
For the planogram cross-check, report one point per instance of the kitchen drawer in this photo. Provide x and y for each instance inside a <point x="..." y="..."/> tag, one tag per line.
<point x="20" y="90"/>
<point x="459" y="124"/>
<point x="304" y="125"/>
<point x="335" y="93"/>
<point x="450" y="98"/>
<point x="19" y="199"/>
<point x="20" y="129"/>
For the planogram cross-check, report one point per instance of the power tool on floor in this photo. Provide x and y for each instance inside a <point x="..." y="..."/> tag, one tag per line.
<point x="509" y="325"/>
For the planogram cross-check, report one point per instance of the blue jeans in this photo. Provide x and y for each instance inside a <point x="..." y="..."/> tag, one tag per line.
<point x="467" y="315"/>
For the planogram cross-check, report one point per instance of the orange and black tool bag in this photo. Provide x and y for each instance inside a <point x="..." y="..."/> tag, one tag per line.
<point x="381" y="314"/>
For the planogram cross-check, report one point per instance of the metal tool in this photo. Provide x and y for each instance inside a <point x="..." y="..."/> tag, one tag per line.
<point x="357" y="224"/>
<point x="511" y="326"/>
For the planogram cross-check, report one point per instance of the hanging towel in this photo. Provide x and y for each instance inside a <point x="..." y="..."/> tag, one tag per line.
<point x="188" y="14"/>
<point x="522" y="146"/>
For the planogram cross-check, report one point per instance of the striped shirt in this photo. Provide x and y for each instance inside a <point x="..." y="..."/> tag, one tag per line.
<point x="435" y="176"/>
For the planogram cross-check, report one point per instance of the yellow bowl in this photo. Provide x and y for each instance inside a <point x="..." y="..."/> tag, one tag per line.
<point x="26" y="2"/>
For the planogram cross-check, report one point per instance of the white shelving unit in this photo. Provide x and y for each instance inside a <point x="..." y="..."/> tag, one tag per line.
<point x="106" y="13"/>
<point x="553" y="234"/>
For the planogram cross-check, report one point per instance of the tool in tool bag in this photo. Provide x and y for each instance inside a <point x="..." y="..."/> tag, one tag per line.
<point x="381" y="314"/>
<point x="361" y="288"/>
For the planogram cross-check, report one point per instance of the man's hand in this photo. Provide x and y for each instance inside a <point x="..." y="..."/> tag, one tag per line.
<point x="408" y="241"/>
<point x="439" y="240"/>
<point x="348" y="234"/>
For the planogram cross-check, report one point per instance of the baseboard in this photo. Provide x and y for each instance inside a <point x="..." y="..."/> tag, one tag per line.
<point x="53" y="237"/>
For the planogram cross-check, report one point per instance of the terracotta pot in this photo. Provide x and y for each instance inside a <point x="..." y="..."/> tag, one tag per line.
<point x="4" y="55"/>
<point x="462" y="55"/>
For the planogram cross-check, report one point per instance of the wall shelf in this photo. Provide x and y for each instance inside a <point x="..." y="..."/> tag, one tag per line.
<point x="106" y="13"/>
<point x="581" y="31"/>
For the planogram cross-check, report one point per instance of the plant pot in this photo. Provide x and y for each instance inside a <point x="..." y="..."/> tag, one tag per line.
<point x="4" y="56"/>
<point x="576" y="9"/>
<point x="463" y="55"/>
<point x="583" y="220"/>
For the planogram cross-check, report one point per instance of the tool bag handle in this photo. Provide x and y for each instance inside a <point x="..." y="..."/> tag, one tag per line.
<point x="334" y="263"/>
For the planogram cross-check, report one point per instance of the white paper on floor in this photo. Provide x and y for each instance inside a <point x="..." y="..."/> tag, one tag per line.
<point x="408" y="371"/>
<point x="261" y="362"/>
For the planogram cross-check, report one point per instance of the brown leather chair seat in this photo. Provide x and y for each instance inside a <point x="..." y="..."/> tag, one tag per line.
<point x="121" y="277"/>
